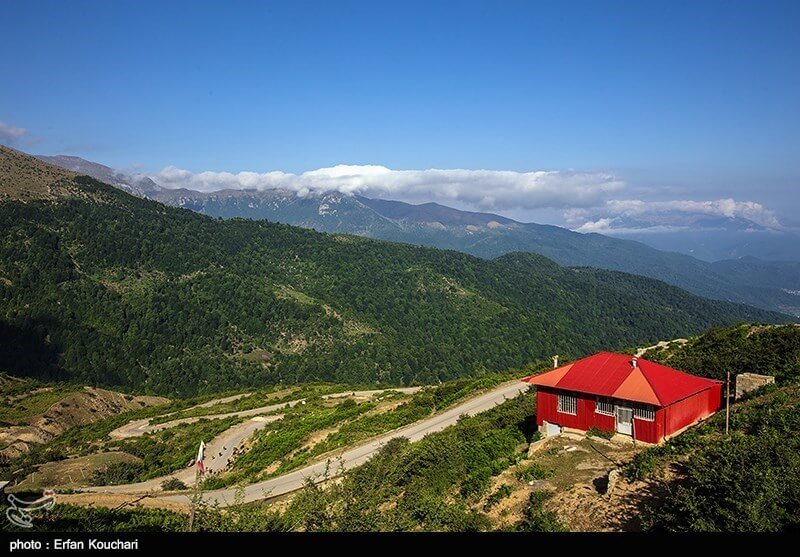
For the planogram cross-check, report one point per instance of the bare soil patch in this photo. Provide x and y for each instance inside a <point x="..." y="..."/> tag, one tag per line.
<point x="75" y="409"/>
<point x="578" y="471"/>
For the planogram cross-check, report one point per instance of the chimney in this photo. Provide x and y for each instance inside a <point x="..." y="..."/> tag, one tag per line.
<point x="555" y="361"/>
<point x="635" y="361"/>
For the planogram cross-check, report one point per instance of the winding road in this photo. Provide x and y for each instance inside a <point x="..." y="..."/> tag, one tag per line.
<point x="358" y="455"/>
<point x="140" y="427"/>
<point x="220" y="449"/>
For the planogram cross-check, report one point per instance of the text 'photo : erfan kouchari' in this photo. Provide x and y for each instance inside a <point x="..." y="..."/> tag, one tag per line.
<point x="306" y="273"/>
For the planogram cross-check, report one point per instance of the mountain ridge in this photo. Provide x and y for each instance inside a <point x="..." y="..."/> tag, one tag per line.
<point x="111" y="289"/>
<point x="482" y="234"/>
<point x="142" y="186"/>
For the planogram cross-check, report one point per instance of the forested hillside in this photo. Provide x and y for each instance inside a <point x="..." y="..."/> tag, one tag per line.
<point x="769" y="285"/>
<point x="102" y="287"/>
<point x="769" y="350"/>
<point x="772" y="285"/>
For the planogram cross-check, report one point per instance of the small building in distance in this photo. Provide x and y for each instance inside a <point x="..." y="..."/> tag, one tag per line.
<point x="749" y="382"/>
<point x="623" y="394"/>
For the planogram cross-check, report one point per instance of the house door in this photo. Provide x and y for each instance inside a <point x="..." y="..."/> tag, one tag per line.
<point x="624" y="420"/>
<point x="552" y="429"/>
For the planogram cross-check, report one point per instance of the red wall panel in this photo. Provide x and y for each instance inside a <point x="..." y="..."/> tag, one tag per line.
<point x="603" y="422"/>
<point x="667" y="420"/>
<point x="689" y="410"/>
<point x="547" y="409"/>
<point x="649" y="432"/>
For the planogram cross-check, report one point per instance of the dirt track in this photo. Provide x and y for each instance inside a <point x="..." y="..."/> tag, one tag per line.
<point x="220" y="449"/>
<point x="355" y="456"/>
<point x="140" y="427"/>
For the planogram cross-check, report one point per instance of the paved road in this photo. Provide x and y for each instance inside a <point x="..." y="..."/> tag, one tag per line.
<point x="360" y="454"/>
<point x="216" y="401"/>
<point x="220" y="449"/>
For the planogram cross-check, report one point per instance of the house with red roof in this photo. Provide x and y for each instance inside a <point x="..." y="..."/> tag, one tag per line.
<point x="623" y="394"/>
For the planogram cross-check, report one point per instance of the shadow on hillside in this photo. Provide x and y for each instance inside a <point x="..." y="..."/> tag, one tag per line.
<point x="528" y="427"/>
<point x="640" y="501"/>
<point x="25" y="350"/>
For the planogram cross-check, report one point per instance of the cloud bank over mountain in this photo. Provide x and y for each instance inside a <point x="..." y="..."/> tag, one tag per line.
<point x="588" y="201"/>
<point x="481" y="189"/>
<point x="639" y="216"/>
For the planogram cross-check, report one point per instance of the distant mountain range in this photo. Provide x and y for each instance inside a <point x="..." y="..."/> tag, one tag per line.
<point x="773" y="285"/>
<point x="725" y="240"/>
<point x="140" y="186"/>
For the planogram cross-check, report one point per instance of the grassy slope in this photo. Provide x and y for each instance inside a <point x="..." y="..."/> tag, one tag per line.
<point x="282" y="446"/>
<point x="428" y="485"/>
<point x="24" y="401"/>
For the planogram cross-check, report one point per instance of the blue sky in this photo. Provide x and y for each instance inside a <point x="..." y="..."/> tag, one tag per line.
<point x="680" y="100"/>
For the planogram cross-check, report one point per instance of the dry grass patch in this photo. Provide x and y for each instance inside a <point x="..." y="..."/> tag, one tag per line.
<point x="72" y="472"/>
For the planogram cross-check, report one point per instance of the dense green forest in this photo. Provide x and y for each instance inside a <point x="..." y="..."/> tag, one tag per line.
<point x="104" y="288"/>
<point x="749" y="481"/>
<point x="764" y="284"/>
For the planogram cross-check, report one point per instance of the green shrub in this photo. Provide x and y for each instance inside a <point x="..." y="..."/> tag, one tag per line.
<point x="641" y="465"/>
<point x="595" y="431"/>
<point x="173" y="484"/>
<point x="742" y="484"/>
<point x="536" y="518"/>
<point x="746" y="481"/>
<point x="71" y="518"/>
<point x="533" y="471"/>
<point x="501" y="493"/>
<point x="213" y="482"/>
<point x="117" y="473"/>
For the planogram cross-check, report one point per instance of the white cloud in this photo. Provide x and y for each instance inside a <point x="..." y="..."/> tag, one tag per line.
<point x="618" y="215"/>
<point x="585" y="198"/>
<point x="612" y="226"/>
<point x="9" y="134"/>
<point x="481" y="189"/>
<point x="720" y="207"/>
<point x="600" y="225"/>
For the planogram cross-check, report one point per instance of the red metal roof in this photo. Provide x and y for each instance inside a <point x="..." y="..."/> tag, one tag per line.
<point x="613" y="375"/>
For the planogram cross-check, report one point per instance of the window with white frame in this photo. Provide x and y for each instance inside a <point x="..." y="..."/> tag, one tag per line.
<point x="568" y="404"/>
<point x="646" y="413"/>
<point x="604" y="406"/>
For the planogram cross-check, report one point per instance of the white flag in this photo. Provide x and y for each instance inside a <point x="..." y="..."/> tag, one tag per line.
<point x="201" y="454"/>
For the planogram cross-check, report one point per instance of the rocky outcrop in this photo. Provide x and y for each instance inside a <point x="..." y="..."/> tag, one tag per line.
<point x="76" y="409"/>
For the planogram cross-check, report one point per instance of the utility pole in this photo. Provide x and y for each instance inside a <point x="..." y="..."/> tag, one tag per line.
<point x="198" y="472"/>
<point x="195" y="497"/>
<point x="728" y="403"/>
